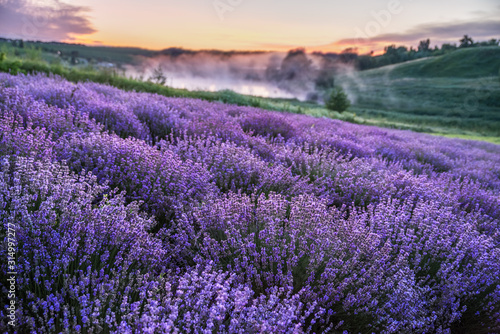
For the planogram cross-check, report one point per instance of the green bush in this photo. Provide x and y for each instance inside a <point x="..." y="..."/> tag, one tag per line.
<point x="33" y="54"/>
<point x="2" y="56"/>
<point x="338" y="101"/>
<point x="13" y="67"/>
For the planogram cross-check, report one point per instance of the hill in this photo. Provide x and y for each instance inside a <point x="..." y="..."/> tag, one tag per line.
<point x="475" y="62"/>
<point x="457" y="93"/>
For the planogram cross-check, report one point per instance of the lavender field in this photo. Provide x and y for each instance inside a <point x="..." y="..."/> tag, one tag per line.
<point x="137" y="213"/>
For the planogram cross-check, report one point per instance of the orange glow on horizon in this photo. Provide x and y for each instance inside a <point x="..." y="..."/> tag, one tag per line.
<point x="270" y="26"/>
<point x="257" y="25"/>
<point x="266" y="47"/>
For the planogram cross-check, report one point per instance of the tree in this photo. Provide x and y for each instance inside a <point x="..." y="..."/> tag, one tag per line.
<point x="349" y="55"/>
<point x="365" y="62"/>
<point x="294" y="72"/>
<point x="424" y="46"/>
<point x="466" y="42"/>
<point x="74" y="57"/>
<point x="448" y="47"/>
<point x="296" y="65"/>
<point x="395" y="54"/>
<point x="158" y="76"/>
<point x="493" y="41"/>
<point x="324" y="81"/>
<point x="33" y="53"/>
<point x="338" y="100"/>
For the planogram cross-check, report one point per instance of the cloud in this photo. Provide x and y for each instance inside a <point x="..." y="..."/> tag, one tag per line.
<point x="43" y="20"/>
<point x="438" y="33"/>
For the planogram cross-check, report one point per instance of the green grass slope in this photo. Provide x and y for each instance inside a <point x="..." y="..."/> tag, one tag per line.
<point x="455" y="94"/>
<point x="475" y="62"/>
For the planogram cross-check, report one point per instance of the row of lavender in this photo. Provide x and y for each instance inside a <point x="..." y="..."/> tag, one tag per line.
<point x="140" y="213"/>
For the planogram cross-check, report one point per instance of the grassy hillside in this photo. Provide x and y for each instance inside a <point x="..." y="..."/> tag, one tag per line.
<point x="454" y="94"/>
<point x="117" y="55"/>
<point x="463" y="63"/>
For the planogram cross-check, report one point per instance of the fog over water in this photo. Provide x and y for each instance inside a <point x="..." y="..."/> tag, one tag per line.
<point x="268" y="74"/>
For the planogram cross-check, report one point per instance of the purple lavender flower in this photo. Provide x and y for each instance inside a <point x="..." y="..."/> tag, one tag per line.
<point x="138" y="213"/>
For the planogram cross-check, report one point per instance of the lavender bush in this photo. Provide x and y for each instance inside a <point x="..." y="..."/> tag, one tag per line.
<point x="137" y="213"/>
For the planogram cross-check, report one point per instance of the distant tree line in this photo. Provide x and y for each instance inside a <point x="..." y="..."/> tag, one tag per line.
<point x="397" y="54"/>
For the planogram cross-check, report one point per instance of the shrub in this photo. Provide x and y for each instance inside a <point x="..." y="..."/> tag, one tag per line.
<point x="338" y="101"/>
<point x="267" y="124"/>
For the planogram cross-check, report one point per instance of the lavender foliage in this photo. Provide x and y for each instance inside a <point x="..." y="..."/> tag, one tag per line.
<point x="137" y="213"/>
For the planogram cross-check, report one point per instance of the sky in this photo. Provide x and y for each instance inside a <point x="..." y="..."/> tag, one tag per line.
<point x="317" y="25"/>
